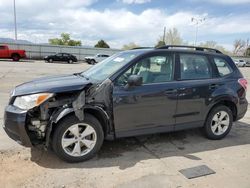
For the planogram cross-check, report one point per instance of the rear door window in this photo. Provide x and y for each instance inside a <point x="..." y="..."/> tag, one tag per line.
<point x="222" y="66"/>
<point x="195" y="67"/>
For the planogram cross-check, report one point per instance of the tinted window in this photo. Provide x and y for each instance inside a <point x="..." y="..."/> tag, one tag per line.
<point x="194" y="67"/>
<point x="155" y="69"/>
<point x="2" y="47"/>
<point x="223" y="66"/>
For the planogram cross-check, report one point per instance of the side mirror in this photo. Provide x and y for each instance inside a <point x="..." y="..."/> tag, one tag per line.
<point x="134" y="80"/>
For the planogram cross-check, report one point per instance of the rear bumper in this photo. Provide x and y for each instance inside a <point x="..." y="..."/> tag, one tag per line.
<point x="14" y="125"/>
<point x="242" y="108"/>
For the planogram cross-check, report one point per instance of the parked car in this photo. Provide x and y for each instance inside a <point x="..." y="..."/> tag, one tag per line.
<point x="135" y="92"/>
<point x="95" y="59"/>
<point x="240" y="63"/>
<point x="61" y="57"/>
<point x="15" y="55"/>
<point x="248" y="63"/>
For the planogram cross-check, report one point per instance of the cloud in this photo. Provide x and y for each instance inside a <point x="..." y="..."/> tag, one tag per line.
<point x="135" y="1"/>
<point x="39" y="20"/>
<point x="225" y="2"/>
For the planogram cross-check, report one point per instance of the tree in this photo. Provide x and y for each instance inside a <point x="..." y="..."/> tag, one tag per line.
<point x="101" y="44"/>
<point x="160" y="43"/>
<point x="173" y="37"/>
<point x="65" y="40"/>
<point x="248" y="51"/>
<point x="130" y="46"/>
<point x="239" y="47"/>
<point x="213" y="44"/>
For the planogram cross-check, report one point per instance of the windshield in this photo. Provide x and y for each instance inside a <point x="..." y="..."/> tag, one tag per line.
<point x="109" y="66"/>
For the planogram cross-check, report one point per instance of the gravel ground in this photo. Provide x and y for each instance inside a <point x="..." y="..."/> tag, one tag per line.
<point x="148" y="161"/>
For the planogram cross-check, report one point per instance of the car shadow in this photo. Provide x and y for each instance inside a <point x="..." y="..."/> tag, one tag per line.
<point x="128" y="152"/>
<point x="65" y="62"/>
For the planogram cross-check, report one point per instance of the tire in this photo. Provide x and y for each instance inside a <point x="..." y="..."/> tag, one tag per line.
<point x="70" y="61"/>
<point x="63" y="134"/>
<point x="92" y="62"/>
<point x="15" y="57"/>
<point x="50" y="60"/>
<point x="217" y="127"/>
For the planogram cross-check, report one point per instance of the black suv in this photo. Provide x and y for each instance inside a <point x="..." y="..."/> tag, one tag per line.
<point x="135" y="92"/>
<point x="66" y="57"/>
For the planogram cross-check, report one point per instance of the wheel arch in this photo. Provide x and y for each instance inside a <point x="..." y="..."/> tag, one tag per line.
<point x="228" y="103"/>
<point x="97" y="112"/>
<point x="15" y="53"/>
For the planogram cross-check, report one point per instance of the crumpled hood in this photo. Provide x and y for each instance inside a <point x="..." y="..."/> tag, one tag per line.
<point x="52" y="84"/>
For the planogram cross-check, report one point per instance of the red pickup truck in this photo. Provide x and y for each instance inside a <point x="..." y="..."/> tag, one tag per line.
<point x="7" y="53"/>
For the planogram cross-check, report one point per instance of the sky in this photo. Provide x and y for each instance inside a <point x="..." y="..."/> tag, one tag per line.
<point x="120" y="22"/>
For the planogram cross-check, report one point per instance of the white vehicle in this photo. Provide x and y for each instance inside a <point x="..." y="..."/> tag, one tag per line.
<point x="240" y="62"/>
<point x="95" y="59"/>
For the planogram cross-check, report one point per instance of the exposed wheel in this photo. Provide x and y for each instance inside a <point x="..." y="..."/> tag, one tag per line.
<point x="50" y="60"/>
<point x="70" y="61"/>
<point x="219" y="122"/>
<point x="75" y="141"/>
<point x="15" y="57"/>
<point x="92" y="62"/>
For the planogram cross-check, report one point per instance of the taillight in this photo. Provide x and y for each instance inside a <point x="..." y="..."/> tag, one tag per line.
<point x="243" y="83"/>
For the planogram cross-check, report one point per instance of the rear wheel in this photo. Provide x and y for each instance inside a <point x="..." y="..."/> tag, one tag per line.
<point x="77" y="141"/>
<point x="219" y="122"/>
<point x="92" y="62"/>
<point x="15" y="57"/>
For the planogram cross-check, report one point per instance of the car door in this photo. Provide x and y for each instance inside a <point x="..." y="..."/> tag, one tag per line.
<point x="98" y="58"/>
<point x="65" y="57"/>
<point x="195" y="86"/>
<point x="148" y="108"/>
<point x="3" y="51"/>
<point x="58" y="57"/>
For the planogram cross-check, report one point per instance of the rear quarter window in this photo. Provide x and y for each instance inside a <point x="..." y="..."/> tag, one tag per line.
<point x="223" y="66"/>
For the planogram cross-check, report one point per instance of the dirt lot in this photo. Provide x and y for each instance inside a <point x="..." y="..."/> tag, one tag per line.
<point x="150" y="161"/>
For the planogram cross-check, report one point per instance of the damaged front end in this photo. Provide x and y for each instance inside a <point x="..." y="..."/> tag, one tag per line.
<point x="94" y="98"/>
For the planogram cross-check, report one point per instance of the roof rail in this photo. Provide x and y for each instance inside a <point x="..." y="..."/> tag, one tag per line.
<point x="197" y="48"/>
<point x="137" y="48"/>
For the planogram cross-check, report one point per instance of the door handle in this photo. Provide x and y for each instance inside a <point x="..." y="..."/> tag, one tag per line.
<point x="213" y="86"/>
<point x="170" y="91"/>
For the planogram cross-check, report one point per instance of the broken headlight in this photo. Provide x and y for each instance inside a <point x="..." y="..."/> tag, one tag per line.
<point x="30" y="101"/>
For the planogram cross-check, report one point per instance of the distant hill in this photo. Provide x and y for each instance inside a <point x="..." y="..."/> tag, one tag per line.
<point x="10" y="40"/>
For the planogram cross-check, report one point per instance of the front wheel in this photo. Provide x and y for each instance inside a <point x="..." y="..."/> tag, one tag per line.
<point x="77" y="141"/>
<point x="219" y="122"/>
<point x="70" y="61"/>
<point x="15" y="57"/>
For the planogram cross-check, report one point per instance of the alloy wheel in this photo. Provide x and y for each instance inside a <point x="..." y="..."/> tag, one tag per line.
<point x="220" y="123"/>
<point x="79" y="139"/>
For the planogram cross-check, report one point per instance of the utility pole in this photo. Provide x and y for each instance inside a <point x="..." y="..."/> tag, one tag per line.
<point x="164" y="34"/>
<point x="15" y="20"/>
<point x="197" y="22"/>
